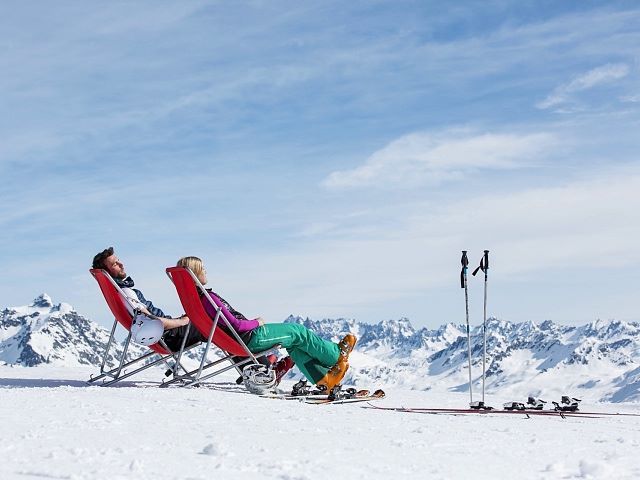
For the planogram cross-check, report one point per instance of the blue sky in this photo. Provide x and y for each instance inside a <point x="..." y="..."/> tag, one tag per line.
<point x="326" y="159"/>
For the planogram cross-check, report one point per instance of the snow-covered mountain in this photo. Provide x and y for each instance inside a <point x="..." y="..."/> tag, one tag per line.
<point x="56" y="334"/>
<point x="599" y="361"/>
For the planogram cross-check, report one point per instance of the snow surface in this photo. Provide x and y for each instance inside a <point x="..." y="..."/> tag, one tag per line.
<point x="53" y="425"/>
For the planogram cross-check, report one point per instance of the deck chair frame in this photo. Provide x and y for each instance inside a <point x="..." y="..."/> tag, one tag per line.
<point x="196" y="311"/>
<point x="123" y="317"/>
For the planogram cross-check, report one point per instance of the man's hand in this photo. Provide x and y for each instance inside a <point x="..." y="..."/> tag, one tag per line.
<point x="260" y="321"/>
<point x="170" y="323"/>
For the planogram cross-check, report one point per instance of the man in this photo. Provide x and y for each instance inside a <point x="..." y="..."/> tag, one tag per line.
<point x="175" y="328"/>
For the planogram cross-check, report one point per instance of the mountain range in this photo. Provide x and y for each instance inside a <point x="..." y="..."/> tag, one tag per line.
<point x="44" y="332"/>
<point x="599" y="361"/>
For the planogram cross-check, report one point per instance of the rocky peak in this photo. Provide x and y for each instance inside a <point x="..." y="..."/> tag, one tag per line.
<point x="42" y="301"/>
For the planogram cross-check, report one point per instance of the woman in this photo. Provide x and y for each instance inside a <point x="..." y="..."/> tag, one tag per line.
<point x="322" y="362"/>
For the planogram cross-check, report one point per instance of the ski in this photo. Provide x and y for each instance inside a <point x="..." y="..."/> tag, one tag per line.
<point x="300" y="391"/>
<point x="566" y="405"/>
<point x="318" y="399"/>
<point x="580" y="413"/>
<point x="359" y="396"/>
<point x="304" y="392"/>
<point x="322" y="398"/>
<point x="300" y="398"/>
<point x="468" y="411"/>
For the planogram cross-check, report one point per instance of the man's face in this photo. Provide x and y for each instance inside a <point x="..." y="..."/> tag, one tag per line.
<point x="114" y="266"/>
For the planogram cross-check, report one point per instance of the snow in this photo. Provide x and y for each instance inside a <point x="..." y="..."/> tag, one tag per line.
<point x="11" y="351"/>
<point x="8" y="332"/>
<point x="54" y="425"/>
<point x="64" y="308"/>
<point x="41" y="344"/>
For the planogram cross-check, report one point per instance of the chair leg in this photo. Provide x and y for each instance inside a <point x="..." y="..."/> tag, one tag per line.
<point x="199" y="378"/>
<point x="113" y="372"/>
<point x="117" y="376"/>
<point x="105" y="355"/>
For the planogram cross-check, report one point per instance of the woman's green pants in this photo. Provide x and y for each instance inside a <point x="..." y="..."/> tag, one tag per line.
<point x="313" y="355"/>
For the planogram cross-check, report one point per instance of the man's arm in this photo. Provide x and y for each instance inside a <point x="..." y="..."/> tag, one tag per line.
<point x="154" y="312"/>
<point x="169" y="323"/>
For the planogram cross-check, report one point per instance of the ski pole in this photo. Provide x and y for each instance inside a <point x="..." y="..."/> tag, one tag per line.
<point x="463" y="284"/>
<point x="484" y="266"/>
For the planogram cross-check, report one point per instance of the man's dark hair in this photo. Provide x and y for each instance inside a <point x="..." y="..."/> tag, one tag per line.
<point x="98" y="260"/>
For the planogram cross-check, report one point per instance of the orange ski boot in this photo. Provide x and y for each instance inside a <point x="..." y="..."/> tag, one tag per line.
<point x="336" y="373"/>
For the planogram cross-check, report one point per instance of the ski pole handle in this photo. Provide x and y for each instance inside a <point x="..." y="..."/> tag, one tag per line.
<point x="465" y="264"/>
<point x="484" y="264"/>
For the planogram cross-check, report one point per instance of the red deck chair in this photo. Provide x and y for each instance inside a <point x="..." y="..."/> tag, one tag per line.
<point x="188" y="287"/>
<point x="117" y="302"/>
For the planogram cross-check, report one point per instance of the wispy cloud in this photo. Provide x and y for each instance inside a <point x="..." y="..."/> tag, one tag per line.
<point x="534" y="230"/>
<point x="433" y="158"/>
<point x="598" y="76"/>
<point x="631" y="98"/>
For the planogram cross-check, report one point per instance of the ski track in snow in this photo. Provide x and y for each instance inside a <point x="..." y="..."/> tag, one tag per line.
<point x="54" y="426"/>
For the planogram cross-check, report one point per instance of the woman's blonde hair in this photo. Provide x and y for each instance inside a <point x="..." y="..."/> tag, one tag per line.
<point x="192" y="263"/>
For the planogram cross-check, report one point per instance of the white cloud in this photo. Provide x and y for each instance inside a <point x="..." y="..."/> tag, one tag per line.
<point x="537" y="232"/>
<point x="432" y="158"/>
<point x="631" y="98"/>
<point x="593" y="78"/>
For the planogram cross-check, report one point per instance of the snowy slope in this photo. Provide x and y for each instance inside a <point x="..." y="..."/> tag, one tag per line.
<point x="54" y="426"/>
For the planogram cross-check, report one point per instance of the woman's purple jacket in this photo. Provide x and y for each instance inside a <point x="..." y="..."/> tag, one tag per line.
<point x="238" y="321"/>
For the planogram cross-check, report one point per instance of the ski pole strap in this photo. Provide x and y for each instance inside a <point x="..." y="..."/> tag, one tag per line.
<point x="465" y="264"/>
<point x="484" y="263"/>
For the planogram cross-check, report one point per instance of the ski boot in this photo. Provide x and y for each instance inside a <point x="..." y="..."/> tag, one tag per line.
<point x="281" y="367"/>
<point x="336" y="373"/>
<point x="333" y="376"/>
